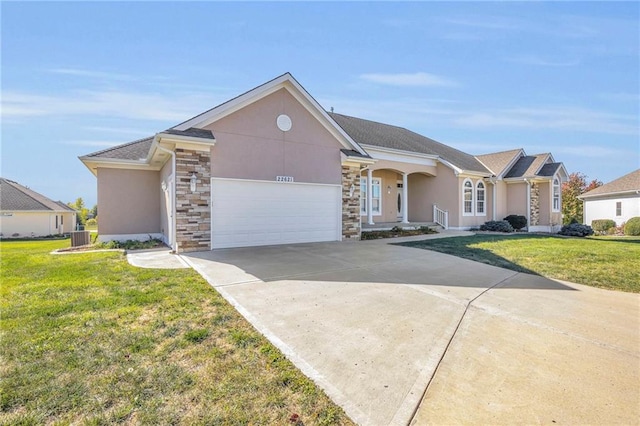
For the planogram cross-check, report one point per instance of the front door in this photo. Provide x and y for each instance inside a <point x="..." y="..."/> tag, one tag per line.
<point x="399" y="203"/>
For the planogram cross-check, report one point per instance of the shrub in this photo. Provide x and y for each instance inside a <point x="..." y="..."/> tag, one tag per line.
<point x="632" y="227"/>
<point x="497" y="226"/>
<point x="518" y="222"/>
<point x="603" y="225"/>
<point x="91" y="222"/>
<point x="576" y="230"/>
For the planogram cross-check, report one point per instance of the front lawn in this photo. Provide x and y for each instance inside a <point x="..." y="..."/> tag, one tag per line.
<point x="610" y="263"/>
<point x="89" y="339"/>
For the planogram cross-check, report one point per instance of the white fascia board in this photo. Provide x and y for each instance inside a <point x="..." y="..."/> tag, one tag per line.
<point x="93" y="164"/>
<point x="398" y="155"/>
<point x="357" y="161"/>
<point x="264" y="90"/>
<point x="610" y="194"/>
<point x="160" y="137"/>
<point x="455" y="169"/>
<point x="563" y="169"/>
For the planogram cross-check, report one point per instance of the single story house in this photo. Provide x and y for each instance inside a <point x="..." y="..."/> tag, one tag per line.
<point x="271" y="166"/>
<point x="618" y="200"/>
<point x="26" y="213"/>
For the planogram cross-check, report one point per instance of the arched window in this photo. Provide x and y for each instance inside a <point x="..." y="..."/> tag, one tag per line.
<point x="556" y="195"/>
<point x="480" y="199"/>
<point x="467" y="197"/>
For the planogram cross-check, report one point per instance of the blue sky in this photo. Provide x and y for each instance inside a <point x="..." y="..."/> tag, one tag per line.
<point x="482" y="77"/>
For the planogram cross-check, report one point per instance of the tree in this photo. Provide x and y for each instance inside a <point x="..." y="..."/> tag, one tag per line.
<point x="80" y="209"/>
<point x="94" y="211"/>
<point x="571" y="205"/>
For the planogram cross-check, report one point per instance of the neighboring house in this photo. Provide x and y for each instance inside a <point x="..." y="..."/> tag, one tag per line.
<point x="271" y="166"/>
<point x="25" y="213"/>
<point x="618" y="200"/>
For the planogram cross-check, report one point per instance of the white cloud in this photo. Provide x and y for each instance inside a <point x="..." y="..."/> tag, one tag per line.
<point x="107" y="103"/>
<point x="92" y="74"/>
<point x="418" y="79"/>
<point x="543" y="62"/>
<point x="561" y="118"/>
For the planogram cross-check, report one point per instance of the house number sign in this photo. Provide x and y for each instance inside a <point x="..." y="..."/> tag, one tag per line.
<point x="284" y="178"/>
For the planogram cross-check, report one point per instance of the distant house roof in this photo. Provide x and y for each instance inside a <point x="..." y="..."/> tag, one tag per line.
<point x="366" y="132"/>
<point x="497" y="162"/>
<point x="627" y="183"/>
<point x="15" y="197"/>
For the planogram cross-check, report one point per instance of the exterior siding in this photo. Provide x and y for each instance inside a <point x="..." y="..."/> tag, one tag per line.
<point x="249" y="144"/>
<point x="128" y="201"/>
<point x="605" y="208"/>
<point x="37" y="224"/>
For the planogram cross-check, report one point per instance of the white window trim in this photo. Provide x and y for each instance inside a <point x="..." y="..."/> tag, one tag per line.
<point x="484" y="201"/>
<point x="363" y="181"/>
<point x="553" y="195"/>
<point x="473" y="198"/>
<point x="618" y="203"/>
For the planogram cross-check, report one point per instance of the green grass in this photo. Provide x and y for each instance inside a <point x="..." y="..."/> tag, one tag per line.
<point x="605" y="262"/>
<point x="89" y="339"/>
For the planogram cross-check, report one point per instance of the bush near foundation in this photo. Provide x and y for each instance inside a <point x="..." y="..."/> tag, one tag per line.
<point x="602" y="226"/>
<point x="518" y="222"/>
<point x="497" y="226"/>
<point x="632" y="227"/>
<point x="576" y="230"/>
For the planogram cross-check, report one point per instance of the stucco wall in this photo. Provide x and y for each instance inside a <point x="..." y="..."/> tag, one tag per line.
<point x="605" y="208"/>
<point x="516" y="199"/>
<point x="545" y="203"/>
<point x="249" y="144"/>
<point x="37" y="224"/>
<point x="501" y="200"/>
<point x="128" y="201"/>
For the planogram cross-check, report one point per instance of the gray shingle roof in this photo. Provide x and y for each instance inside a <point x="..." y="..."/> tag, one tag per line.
<point x="135" y="150"/>
<point x="497" y="162"/>
<point x="15" y="197"/>
<point x="365" y="132"/>
<point x="549" y="169"/>
<point x="193" y="132"/>
<point x="526" y="166"/>
<point x="627" y="183"/>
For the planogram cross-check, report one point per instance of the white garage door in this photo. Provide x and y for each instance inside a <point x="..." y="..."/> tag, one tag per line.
<point x="255" y="213"/>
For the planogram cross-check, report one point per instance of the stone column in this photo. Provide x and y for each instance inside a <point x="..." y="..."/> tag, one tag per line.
<point x="534" y="214"/>
<point x="193" y="209"/>
<point x="350" y="203"/>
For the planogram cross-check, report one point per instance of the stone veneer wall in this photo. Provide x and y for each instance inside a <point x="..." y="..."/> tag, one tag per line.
<point x="350" y="204"/>
<point x="534" y="215"/>
<point x="193" y="210"/>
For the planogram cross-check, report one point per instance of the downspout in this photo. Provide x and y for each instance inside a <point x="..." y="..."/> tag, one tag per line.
<point x="528" y="203"/>
<point x="174" y="243"/>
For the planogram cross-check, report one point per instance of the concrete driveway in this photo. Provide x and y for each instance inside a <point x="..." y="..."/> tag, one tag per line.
<point x="397" y="335"/>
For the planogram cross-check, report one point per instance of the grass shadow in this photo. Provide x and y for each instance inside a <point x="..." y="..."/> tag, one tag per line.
<point x="461" y="247"/>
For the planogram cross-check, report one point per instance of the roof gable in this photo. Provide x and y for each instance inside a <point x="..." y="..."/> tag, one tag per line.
<point x="627" y="183"/>
<point x="499" y="162"/>
<point x="287" y="82"/>
<point x="366" y="132"/>
<point x="15" y="197"/>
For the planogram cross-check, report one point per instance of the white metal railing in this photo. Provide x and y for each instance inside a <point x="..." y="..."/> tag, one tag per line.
<point x="441" y="217"/>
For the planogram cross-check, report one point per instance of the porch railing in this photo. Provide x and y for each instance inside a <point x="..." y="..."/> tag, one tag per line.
<point x="441" y="217"/>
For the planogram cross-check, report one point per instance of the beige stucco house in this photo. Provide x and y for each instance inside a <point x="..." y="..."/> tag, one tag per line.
<point x="271" y="166"/>
<point x="26" y="213"/>
<point x="618" y="200"/>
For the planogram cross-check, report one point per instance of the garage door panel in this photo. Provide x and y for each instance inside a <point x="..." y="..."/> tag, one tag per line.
<point x="248" y="213"/>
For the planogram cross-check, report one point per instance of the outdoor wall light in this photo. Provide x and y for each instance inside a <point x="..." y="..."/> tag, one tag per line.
<point x="352" y="189"/>
<point x="164" y="186"/>
<point x="388" y="189"/>
<point x="192" y="183"/>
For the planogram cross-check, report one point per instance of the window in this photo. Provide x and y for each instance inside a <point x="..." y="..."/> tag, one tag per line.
<point x="467" y="197"/>
<point x="556" y="195"/>
<point x="56" y="221"/>
<point x="619" y="208"/>
<point x="480" y="200"/>
<point x="375" y="199"/>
